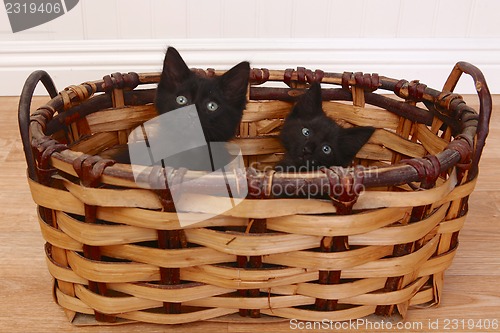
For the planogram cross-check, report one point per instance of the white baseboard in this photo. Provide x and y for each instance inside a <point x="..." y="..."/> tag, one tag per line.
<point x="73" y="62"/>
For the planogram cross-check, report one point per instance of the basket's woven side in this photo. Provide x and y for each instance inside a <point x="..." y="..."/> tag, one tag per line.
<point x="251" y="262"/>
<point x="89" y="170"/>
<point x="407" y="130"/>
<point x="287" y="288"/>
<point x="169" y="239"/>
<point x="42" y="153"/>
<point x="343" y="201"/>
<point x="458" y="208"/>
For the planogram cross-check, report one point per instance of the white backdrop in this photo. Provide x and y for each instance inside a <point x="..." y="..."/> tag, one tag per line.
<point x="396" y="38"/>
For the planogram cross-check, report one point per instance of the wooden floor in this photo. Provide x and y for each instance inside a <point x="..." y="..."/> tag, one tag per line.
<point x="472" y="284"/>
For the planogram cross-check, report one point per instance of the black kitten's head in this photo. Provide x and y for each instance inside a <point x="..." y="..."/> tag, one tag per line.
<point x="311" y="139"/>
<point x="219" y="100"/>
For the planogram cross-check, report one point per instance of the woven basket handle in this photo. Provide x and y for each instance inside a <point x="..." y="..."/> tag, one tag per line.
<point x="485" y="104"/>
<point x="24" y="112"/>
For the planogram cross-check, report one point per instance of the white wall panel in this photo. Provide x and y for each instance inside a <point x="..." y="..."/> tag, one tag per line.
<point x="346" y="19"/>
<point x="168" y="18"/>
<point x="72" y="62"/>
<point x="416" y="18"/>
<point x="69" y="26"/>
<point x="204" y="19"/>
<point x="100" y="19"/>
<point x="5" y="31"/>
<point x="239" y="19"/>
<point x="380" y="18"/>
<point x="453" y="18"/>
<point x="411" y="39"/>
<point x="274" y="18"/>
<point x="310" y="18"/>
<point x="134" y="19"/>
<point x="147" y="19"/>
<point x="485" y="21"/>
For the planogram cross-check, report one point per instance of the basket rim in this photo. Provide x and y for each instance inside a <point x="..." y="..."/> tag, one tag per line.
<point x="446" y="105"/>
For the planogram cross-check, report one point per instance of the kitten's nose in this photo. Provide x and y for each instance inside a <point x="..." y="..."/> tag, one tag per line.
<point x="307" y="150"/>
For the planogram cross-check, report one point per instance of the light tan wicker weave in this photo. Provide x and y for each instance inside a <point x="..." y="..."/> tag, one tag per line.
<point x="118" y="253"/>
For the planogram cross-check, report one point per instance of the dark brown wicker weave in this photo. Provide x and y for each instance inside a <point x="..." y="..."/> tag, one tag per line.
<point x="118" y="253"/>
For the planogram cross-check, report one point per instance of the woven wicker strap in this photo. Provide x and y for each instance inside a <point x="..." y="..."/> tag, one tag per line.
<point x="370" y="82"/>
<point x="345" y="187"/>
<point x="259" y="76"/>
<point x="303" y="76"/>
<point x="90" y="169"/>
<point x="119" y="81"/>
<point x="43" y="115"/>
<point x="428" y="169"/>
<point x="43" y="150"/>
<point x="413" y="90"/>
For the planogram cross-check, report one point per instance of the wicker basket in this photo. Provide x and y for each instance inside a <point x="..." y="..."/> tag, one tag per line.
<point x="118" y="253"/>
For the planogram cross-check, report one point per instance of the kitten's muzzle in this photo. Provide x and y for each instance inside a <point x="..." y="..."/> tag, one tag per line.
<point x="307" y="150"/>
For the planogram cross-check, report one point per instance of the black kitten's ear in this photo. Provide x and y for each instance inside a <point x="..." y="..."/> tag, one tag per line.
<point x="175" y="70"/>
<point x="350" y="142"/>
<point x="309" y="103"/>
<point x="234" y="82"/>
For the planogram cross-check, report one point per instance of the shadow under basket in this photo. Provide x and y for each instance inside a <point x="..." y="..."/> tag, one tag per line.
<point x="374" y="238"/>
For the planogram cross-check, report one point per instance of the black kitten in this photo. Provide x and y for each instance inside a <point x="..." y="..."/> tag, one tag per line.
<point x="312" y="140"/>
<point x="219" y="100"/>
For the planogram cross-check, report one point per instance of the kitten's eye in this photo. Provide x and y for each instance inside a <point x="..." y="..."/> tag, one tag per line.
<point x="306" y="131"/>
<point x="181" y="100"/>
<point x="212" y="106"/>
<point x="326" y="149"/>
